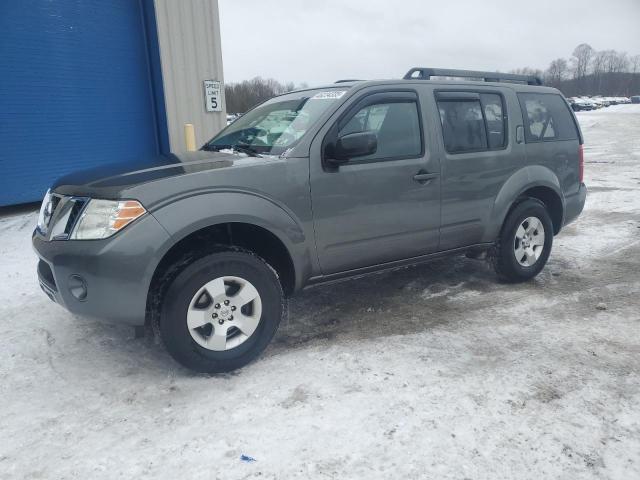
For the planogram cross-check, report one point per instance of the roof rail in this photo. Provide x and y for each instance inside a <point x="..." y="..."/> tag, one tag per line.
<point x="346" y="80"/>
<point x="427" y="73"/>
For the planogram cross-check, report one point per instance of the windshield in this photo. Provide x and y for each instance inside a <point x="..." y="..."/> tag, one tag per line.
<point x="276" y="125"/>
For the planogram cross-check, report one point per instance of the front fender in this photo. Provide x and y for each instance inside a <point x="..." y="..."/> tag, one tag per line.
<point x="522" y="180"/>
<point x="192" y="213"/>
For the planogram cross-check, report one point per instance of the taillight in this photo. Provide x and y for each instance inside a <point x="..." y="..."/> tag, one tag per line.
<point x="580" y="164"/>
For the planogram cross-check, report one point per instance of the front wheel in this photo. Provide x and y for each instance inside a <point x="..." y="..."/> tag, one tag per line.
<point x="525" y="242"/>
<point x="221" y="311"/>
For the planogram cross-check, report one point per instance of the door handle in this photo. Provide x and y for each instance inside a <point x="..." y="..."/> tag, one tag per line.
<point x="423" y="177"/>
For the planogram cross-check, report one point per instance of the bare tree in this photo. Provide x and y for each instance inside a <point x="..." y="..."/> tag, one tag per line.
<point x="607" y="72"/>
<point x="556" y="72"/>
<point x="581" y="59"/>
<point x="598" y="67"/>
<point x="598" y="63"/>
<point x="614" y="61"/>
<point x="621" y="62"/>
<point x="245" y="95"/>
<point x="536" y="72"/>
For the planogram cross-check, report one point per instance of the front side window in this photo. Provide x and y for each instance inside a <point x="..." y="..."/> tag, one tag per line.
<point x="395" y="123"/>
<point x="276" y="125"/>
<point x="547" y="118"/>
<point x="463" y="126"/>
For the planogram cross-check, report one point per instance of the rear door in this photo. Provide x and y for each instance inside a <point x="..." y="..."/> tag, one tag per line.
<point x="385" y="206"/>
<point x="479" y="153"/>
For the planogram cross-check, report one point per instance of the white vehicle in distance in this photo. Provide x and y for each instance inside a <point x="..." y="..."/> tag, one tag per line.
<point x="579" y="104"/>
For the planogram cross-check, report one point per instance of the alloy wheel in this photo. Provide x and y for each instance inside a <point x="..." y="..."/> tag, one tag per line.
<point x="529" y="241"/>
<point x="224" y="313"/>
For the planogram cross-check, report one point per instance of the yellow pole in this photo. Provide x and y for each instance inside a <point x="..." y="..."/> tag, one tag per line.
<point x="190" y="137"/>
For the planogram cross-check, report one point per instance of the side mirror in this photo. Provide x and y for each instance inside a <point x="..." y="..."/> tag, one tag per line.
<point x="351" y="146"/>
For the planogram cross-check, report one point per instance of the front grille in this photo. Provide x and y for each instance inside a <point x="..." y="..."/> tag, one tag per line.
<point x="74" y="215"/>
<point x="55" y="201"/>
<point x="47" y="212"/>
<point x="66" y="213"/>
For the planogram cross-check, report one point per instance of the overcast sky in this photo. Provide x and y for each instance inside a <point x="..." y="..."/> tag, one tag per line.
<point x="319" y="41"/>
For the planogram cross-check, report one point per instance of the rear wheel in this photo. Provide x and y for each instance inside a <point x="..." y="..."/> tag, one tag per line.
<point x="221" y="311"/>
<point x="525" y="242"/>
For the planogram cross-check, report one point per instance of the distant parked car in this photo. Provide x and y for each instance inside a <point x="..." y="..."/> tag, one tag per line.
<point x="579" y="105"/>
<point x="635" y="99"/>
<point x="599" y="102"/>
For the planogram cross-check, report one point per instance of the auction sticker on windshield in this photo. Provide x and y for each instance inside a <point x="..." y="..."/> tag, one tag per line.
<point x="329" y="95"/>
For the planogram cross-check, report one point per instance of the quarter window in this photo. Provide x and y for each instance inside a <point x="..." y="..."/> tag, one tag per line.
<point x="547" y="118"/>
<point x="396" y="125"/>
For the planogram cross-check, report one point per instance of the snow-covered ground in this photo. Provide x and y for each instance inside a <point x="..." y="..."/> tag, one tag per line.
<point x="435" y="372"/>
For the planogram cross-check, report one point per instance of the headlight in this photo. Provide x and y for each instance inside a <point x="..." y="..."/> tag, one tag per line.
<point x="46" y="209"/>
<point x="103" y="218"/>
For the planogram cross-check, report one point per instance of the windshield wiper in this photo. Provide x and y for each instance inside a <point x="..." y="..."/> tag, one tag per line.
<point x="246" y="149"/>
<point x="239" y="148"/>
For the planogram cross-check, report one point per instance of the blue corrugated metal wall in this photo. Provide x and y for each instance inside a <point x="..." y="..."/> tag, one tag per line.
<point x="76" y="90"/>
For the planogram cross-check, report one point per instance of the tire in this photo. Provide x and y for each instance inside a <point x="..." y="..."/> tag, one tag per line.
<point x="199" y="294"/>
<point x="518" y="258"/>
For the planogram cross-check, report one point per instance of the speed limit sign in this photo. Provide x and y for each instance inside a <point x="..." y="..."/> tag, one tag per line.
<point x="213" y="95"/>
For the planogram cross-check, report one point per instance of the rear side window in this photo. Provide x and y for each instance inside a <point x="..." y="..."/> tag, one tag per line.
<point x="462" y="126"/>
<point x="493" y="114"/>
<point x="547" y="118"/>
<point x="472" y="124"/>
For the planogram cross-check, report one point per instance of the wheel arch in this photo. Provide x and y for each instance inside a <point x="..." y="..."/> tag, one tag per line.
<point x="205" y="223"/>
<point x="225" y="236"/>
<point x="533" y="181"/>
<point x="550" y="198"/>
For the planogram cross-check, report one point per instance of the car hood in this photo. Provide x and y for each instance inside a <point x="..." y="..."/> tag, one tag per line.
<point x="116" y="180"/>
<point x="128" y="173"/>
<point x="155" y="182"/>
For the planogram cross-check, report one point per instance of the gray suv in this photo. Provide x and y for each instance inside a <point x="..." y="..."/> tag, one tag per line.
<point x="310" y="187"/>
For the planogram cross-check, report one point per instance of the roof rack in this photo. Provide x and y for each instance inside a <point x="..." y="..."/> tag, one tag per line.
<point x="427" y="73"/>
<point x="347" y="80"/>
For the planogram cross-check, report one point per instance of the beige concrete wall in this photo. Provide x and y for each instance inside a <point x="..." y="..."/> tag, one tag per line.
<point x="190" y="52"/>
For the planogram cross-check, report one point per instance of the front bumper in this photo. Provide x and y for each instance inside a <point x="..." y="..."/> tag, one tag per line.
<point x="574" y="204"/>
<point x="106" y="279"/>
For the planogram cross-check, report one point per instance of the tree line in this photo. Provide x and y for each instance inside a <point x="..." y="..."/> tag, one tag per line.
<point x="586" y="72"/>
<point x="242" y="96"/>
<point x="592" y="72"/>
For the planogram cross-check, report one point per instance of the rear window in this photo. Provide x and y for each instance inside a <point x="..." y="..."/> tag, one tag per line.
<point x="547" y="118"/>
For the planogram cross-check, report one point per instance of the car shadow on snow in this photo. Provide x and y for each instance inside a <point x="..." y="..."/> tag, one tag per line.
<point x="405" y="301"/>
<point x="411" y="300"/>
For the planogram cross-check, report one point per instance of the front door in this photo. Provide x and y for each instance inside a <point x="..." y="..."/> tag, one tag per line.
<point x="384" y="206"/>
